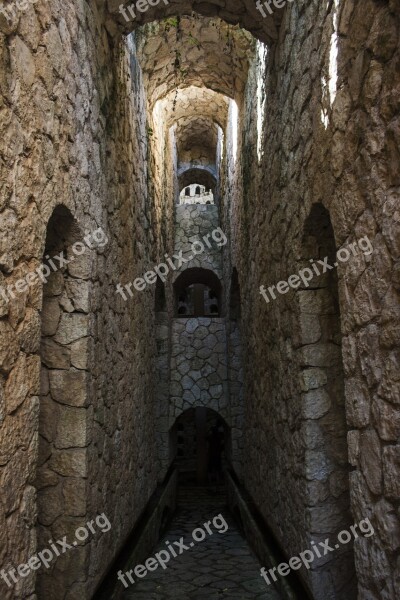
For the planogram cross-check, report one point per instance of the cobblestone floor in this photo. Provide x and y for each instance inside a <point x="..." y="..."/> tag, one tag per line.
<point x="220" y="567"/>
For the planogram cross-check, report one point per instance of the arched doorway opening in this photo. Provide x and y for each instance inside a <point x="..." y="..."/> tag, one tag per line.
<point x="191" y="437"/>
<point x="197" y="294"/>
<point x="324" y="415"/>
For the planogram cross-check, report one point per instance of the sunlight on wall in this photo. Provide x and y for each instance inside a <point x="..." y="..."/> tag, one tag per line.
<point x="333" y="55"/>
<point x="234" y="123"/>
<point x="261" y="97"/>
<point x="330" y="89"/>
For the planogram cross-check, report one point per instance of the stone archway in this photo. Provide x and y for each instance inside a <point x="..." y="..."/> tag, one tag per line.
<point x="324" y="416"/>
<point x="63" y="416"/>
<point x="242" y="12"/>
<point x="189" y="442"/>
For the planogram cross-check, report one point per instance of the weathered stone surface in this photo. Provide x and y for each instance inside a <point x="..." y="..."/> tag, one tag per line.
<point x="51" y="315"/>
<point x="388" y="525"/>
<point x="71" y="428"/>
<point x="53" y="355"/>
<point x="387" y="419"/>
<point x="370" y="458"/>
<point x="8" y="347"/>
<point x="69" y="463"/>
<point x="74" y="495"/>
<point x="391" y="465"/>
<point x="316" y="404"/>
<point x="68" y="387"/>
<point x="72" y="327"/>
<point x="23" y="380"/>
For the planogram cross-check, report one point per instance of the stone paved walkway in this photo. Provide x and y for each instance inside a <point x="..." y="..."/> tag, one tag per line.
<point x="221" y="567"/>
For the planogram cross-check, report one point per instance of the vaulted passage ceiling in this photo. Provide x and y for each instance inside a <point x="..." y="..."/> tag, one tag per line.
<point x="192" y="68"/>
<point x="193" y="51"/>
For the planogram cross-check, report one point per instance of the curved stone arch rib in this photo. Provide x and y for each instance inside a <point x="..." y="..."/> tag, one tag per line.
<point x="228" y="50"/>
<point x="209" y="171"/>
<point x="235" y="12"/>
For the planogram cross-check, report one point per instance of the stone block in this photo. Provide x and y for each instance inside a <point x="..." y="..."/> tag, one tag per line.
<point x="370" y="460"/>
<point x="318" y="466"/>
<point x="312" y="379"/>
<point x="50" y="504"/>
<point x="75" y="496"/>
<point x="51" y="314"/>
<point x="71" y="428"/>
<point x="387" y="525"/>
<point x="316" y="403"/>
<point x="69" y="463"/>
<point x="387" y="419"/>
<point x="68" y="387"/>
<point x="79" y="293"/>
<point x="23" y="380"/>
<point x="53" y="355"/>
<point x="357" y="403"/>
<point x="72" y="327"/>
<point x="353" y="444"/>
<point x="8" y="346"/>
<point x="79" y="353"/>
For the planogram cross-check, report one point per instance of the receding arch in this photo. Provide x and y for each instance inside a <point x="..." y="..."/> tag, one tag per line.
<point x="200" y="175"/>
<point x="63" y="416"/>
<point x="189" y="437"/>
<point x="198" y="293"/>
<point x="232" y="12"/>
<point x="323" y="412"/>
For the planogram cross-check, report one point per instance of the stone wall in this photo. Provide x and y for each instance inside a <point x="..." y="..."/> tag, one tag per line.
<point x="192" y="223"/>
<point x="198" y="366"/>
<point x="75" y="138"/>
<point x="346" y="157"/>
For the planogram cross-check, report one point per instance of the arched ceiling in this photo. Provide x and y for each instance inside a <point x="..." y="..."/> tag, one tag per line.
<point x="195" y="114"/>
<point x="192" y="51"/>
<point x="196" y="132"/>
<point x="194" y="102"/>
<point x="234" y="12"/>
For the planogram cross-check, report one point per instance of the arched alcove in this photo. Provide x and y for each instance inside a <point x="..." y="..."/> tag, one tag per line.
<point x="63" y="417"/>
<point x="197" y="294"/>
<point x="323" y="411"/>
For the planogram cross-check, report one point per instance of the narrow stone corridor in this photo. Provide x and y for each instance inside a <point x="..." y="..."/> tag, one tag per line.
<point x="200" y="278"/>
<point x="222" y="567"/>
